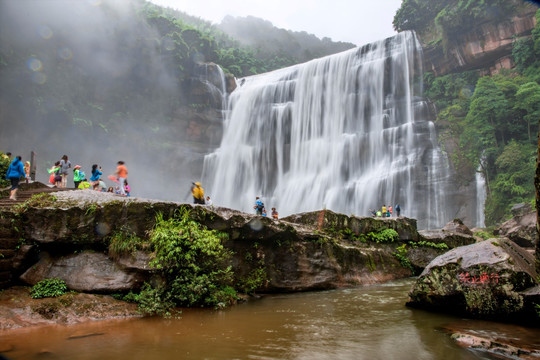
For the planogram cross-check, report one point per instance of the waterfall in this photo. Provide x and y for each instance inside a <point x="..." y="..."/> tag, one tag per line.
<point x="348" y="132"/>
<point x="213" y="79"/>
<point x="480" y="197"/>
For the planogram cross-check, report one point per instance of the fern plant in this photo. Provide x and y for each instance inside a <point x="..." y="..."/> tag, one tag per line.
<point x="49" y="288"/>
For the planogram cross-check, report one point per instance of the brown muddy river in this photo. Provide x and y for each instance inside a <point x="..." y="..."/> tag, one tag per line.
<point x="368" y="322"/>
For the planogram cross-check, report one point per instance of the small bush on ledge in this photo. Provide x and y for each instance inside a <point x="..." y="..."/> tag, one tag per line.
<point x="48" y="288"/>
<point x="193" y="262"/>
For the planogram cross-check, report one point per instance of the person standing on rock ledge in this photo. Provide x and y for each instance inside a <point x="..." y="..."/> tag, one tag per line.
<point x="14" y="174"/>
<point x="121" y="174"/>
<point x="259" y="206"/>
<point x="65" y="165"/>
<point x="78" y="176"/>
<point x="96" y="173"/>
<point x="198" y="193"/>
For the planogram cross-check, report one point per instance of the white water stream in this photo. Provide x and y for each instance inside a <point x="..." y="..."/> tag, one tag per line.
<point x="348" y="132"/>
<point x="481" y="196"/>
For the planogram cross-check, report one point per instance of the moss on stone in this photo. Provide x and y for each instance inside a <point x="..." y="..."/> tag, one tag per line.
<point x="371" y="263"/>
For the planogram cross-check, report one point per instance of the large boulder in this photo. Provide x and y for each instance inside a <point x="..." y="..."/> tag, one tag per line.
<point x="85" y="272"/>
<point x="521" y="229"/>
<point x="457" y="226"/>
<point x="485" y="280"/>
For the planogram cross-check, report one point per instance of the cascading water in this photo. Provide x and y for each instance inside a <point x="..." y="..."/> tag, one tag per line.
<point x="213" y="78"/>
<point x="481" y="195"/>
<point x="347" y="132"/>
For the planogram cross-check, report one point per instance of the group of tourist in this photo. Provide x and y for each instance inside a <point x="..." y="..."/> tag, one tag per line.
<point x="197" y="192"/>
<point x="59" y="173"/>
<point x="260" y="209"/>
<point x="386" y="211"/>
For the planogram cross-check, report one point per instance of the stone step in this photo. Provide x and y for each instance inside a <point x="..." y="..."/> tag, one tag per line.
<point x="23" y="195"/>
<point x="8" y="242"/>
<point x="5" y="221"/>
<point x="6" y="264"/>
<point x="5" y="278"/>
<point x="7" y="253"/>
<point x="7" y="232"/>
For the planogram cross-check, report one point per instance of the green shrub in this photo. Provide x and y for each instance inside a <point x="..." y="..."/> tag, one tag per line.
<point x="255" y="279"/>
<point x="48" y="288"/>
<point x="384" y="236"/>
<point x="483" y="234"/>
<point x="401" y="255"/>
<point x="439" y="246"/>
<point x="124" y="243"/>
<point x="194" y="264"/>
<point x="4" y="165"/>
<point x="153" y="301"/>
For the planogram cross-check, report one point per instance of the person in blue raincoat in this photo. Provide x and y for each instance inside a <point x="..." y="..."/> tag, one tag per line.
<point x="14" y="174"/>
<point x="259" y="206"/>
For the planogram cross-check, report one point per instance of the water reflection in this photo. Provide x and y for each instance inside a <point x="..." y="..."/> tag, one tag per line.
<point x="363" y="323"/>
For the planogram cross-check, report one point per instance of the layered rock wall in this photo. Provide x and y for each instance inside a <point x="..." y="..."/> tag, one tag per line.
<point x="488" y="46"/>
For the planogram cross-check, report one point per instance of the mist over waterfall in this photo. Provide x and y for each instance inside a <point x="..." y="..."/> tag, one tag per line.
<point x="348" y="132"/>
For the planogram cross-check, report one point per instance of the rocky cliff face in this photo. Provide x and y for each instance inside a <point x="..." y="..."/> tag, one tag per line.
<point x="488" y="46"/>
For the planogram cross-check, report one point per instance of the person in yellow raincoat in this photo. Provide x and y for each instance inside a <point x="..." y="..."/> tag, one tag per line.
<point x="198" y="193"/>
<point x="84" y="185"/>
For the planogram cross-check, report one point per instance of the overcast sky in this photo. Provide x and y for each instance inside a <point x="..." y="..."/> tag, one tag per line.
<point x="356" y="21"/>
